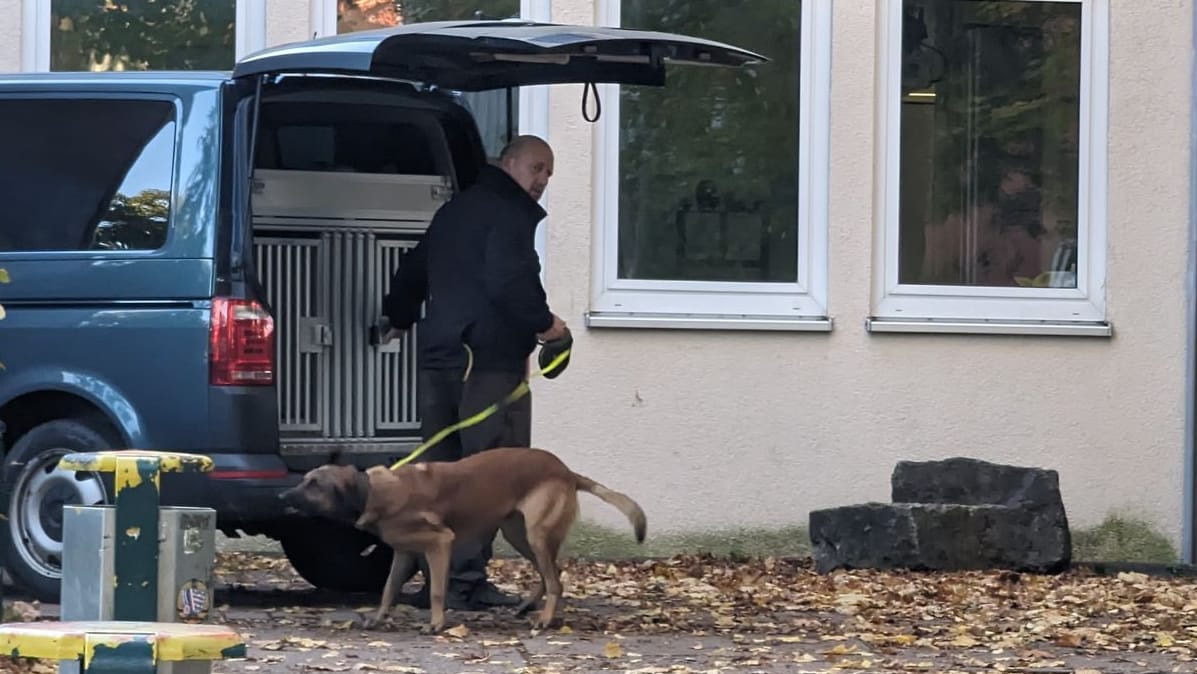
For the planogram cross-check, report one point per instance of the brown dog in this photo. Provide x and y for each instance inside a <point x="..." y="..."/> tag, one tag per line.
<point x="528" y="494"/>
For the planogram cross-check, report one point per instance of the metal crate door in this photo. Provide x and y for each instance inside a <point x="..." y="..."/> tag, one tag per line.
<point x="396" y="364"/>
<point x="295" y="273"/>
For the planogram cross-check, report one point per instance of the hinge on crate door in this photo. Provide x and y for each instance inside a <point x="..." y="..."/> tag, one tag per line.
<point x="440" y="192"/>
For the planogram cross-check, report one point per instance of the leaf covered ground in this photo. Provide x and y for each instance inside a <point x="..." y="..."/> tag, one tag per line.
<point x="705" y="614"/>
<point x="702" y="613"/>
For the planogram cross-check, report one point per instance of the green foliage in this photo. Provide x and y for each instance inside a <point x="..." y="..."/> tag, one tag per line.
<point x="137" y="222"/>
<point x="1119" y="538"/>
<point x="445" y="10"/>
<point x="142" y="34"/>
<point x="1009" y="95"/>
<point x="1122" y="538"/>
<point x="588" y="540"/>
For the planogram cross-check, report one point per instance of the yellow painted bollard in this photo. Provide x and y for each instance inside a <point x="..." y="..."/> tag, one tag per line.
<point x="137" y="475"/>
<point x="110" y="647"/>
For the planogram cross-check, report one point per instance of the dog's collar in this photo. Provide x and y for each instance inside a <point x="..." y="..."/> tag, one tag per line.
<point x="362" y="492"/>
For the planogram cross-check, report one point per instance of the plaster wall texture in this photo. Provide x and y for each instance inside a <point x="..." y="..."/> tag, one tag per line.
<point x="730" y="429"/>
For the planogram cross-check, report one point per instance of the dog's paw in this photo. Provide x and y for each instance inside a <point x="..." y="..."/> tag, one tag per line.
<point x="540" y="623"/>
<point x="430" y="629"/>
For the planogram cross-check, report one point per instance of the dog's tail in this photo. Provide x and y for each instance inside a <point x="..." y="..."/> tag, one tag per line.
<point x="624" y="503"/>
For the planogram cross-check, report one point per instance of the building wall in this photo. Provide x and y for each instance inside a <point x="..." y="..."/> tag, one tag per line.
<point x="10" y="34"/>
<point x="739" y="428"/>
<point x="732" y="428"/>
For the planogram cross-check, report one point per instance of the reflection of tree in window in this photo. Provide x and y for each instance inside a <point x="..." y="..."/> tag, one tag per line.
<point x="95" y="173"/>
<point x="142" y="34"/>
<point x="708" y="164"/>
<point x="355" y="15"/>
<point x="989" y="146"/>
<point x="135" y="222"/>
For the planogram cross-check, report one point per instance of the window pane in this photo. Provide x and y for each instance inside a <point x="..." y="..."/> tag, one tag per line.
<point x="355" y="15"/>
<point x="989" y="143"/>
<point x="142" y="35"/>
<point x="708" y="164"/>
<point x="332" y="140"/>
<point x="94" y="174"/>
<point x="491" y="109"/>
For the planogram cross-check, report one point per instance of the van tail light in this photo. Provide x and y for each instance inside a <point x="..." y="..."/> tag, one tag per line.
<point x="241" y="343"/>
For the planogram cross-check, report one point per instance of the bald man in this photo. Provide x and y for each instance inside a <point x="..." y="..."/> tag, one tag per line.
<point x="486" y="309"/>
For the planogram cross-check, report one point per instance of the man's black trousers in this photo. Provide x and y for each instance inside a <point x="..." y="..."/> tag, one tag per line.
<point x="444" y="400"/>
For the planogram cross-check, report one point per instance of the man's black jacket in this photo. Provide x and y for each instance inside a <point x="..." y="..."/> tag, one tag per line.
<point x="478" y="270"/>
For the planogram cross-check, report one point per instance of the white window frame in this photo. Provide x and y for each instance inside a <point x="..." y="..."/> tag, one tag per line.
<point x="533" y="100"/>
<point x="901" y="307"/>
<point x="36" y="29"/>
<point x="798" y="305"/>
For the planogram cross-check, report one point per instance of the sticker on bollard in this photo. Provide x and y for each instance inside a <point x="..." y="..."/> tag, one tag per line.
<point x="194" y="600"/>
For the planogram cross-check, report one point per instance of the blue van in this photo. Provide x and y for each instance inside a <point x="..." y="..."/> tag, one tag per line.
<point x="197" y="260"/>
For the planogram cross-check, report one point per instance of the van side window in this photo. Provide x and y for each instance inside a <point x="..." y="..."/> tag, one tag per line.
<point x="90" y="174"/>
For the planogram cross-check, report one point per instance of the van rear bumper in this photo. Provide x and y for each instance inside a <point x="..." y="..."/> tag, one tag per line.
<point x="243" y="488"/>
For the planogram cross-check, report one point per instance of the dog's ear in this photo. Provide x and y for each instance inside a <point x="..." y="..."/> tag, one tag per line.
<point x="344" y="490"/>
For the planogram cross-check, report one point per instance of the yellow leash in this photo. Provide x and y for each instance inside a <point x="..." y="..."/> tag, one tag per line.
<point x="517" y="393"/>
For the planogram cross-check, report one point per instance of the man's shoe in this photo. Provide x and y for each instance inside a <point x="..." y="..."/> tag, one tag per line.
<point x="461" y="599"/>
<point x="417" y="599"/>
<point x="487" y="595"/>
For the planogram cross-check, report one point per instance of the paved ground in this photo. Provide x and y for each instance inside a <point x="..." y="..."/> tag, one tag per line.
<point x="700" y="614"/>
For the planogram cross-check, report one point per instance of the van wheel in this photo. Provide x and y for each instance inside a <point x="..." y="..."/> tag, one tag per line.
<point x="328" y="555"/>
<point x="34" y="492"/>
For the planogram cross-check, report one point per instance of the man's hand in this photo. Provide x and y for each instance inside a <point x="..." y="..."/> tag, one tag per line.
<point x="555" y="331"/>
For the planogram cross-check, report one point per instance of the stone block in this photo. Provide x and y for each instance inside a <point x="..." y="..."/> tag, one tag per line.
<point x="966" y="481"/>
<point x="951" y="515"/>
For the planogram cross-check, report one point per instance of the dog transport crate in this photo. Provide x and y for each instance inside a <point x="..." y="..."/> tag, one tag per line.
<point x="326" y="244"/>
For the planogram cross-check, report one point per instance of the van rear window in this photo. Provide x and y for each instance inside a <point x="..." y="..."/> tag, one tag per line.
<point x="86" y="174"/>
<point x="350" y="146"/>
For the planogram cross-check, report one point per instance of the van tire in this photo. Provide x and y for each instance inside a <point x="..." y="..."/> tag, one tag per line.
<point x="328" y="555"/>
<point x="31" y="534"/>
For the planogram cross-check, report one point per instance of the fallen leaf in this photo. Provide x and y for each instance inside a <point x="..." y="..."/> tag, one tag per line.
<point x="460" y="631"/>
<point x="840" y="649"/>
<point x="964" y="641"/>
<point x="1009" y="621"/>
<point x="613" y="650"/>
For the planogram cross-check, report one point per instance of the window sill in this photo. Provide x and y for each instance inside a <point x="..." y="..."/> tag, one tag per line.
<point x="989" y="327"/>
<point x="706" y="322"/>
